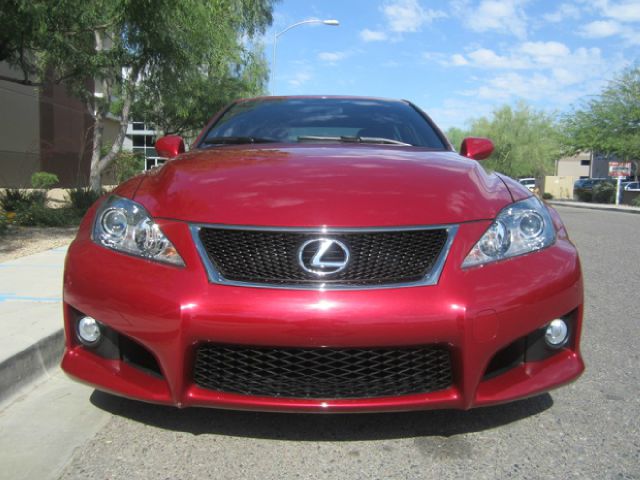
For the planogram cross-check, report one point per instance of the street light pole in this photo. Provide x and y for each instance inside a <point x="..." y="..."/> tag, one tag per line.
<point x="333" y="23"/>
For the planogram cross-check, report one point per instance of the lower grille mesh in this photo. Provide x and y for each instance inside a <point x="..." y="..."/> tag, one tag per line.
<point x="322" y="372"/>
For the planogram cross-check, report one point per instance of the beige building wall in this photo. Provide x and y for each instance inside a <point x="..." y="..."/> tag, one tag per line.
<point x="19" y="131"/>
<point x="576" y="166"/>
<point x="561" y="187"/>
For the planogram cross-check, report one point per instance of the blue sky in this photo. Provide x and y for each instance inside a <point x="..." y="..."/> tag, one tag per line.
<point x="457" y="59"/>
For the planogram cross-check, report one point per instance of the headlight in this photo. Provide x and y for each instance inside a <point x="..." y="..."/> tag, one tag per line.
<point x="520" y="228"/>
<point x="125" y="226"/>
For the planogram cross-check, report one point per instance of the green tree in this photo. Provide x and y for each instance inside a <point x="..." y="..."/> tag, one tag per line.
<point x="609" y="122"/>
<point x="108" y="53"/>
<point x="526" y="141"/>
<point x="184" y="107"/>
<point x="455" y="136"/>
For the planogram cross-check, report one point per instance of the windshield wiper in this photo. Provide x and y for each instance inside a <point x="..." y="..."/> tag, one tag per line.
<point x="236" y="140"/>
<point x="354" y="139"/>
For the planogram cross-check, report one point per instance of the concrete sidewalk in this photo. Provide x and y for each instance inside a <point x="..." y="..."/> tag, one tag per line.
<point x="32" y="341"/>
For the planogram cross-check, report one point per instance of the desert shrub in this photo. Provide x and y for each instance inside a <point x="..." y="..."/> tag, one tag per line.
<point x="43" y="180"/>
<point x="82" y="198"/>
<point x="40" y="216"/>
<point x="37" y="197"/>
<point x="4" y="223"/>
<point x="14" y="199"/>
<point x="604" y="193"/>
<point x="636" y="201"/>
<point x="547" y="196"/>
<point x="127" y="165"/>
<point x="585" y="196"/>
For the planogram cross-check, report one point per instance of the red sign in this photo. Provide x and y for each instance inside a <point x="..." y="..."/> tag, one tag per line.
<point x="619" y="169"/>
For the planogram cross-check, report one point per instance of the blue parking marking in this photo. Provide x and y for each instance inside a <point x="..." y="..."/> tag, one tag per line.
<point x="11" y="297"/>
<point x="19" y="265"/>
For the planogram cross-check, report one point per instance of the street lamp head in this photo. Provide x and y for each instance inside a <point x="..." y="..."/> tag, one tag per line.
<point x="330" y="22"/>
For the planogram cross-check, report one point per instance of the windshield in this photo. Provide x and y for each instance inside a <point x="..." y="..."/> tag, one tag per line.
<point x="321" y="120"/>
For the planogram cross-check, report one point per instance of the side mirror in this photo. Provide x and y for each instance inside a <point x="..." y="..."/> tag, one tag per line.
<point x="476" y="147"/>
<point x="170" y="146"/>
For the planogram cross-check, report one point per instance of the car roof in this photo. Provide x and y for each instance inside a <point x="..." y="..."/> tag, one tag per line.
<point x="320" y="97"/>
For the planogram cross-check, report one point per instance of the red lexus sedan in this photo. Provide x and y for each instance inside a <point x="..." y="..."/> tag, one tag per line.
<point x="323" y="254"/>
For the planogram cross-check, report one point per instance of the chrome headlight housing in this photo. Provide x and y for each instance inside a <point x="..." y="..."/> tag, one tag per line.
<point x="520" y="228"/>
<point x="125" y="226"/>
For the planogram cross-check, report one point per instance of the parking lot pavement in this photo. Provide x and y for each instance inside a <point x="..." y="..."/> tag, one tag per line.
<point x="31" y="341"/>
<point x="587" y="430"/>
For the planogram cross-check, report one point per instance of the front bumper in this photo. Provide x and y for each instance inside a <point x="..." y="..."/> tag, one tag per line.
<point x="476" y="313"/>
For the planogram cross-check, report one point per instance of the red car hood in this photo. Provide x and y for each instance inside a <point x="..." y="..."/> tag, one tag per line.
<point x="333" y="185"/>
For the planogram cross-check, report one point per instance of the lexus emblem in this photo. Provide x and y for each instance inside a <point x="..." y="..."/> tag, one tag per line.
<point x="323" y="256"/>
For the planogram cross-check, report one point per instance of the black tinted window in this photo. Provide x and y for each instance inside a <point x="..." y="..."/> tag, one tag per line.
<point x="287" y="120"/>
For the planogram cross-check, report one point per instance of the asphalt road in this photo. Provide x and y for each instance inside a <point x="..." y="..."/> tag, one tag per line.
<point x="588" y="430"/>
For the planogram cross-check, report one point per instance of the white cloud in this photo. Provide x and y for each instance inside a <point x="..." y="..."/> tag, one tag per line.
<point x="632" y="36"/>
<point x="546" y="53"/>
<point x="534" y="71"/>
<point x="601" y="29"/>
<point x="438" y="57"/>
<point x="528" y="56"/>
<point x="372" y="35"/>
<point x="409" y="15"/>
<point x="300" y="78"/>
<point x="610" y="28"/>
<point x="563" y="12"/>
<point x="530" y="87"/>
<point x="565" y="76"/>
<point x="332" y="57"/>
<point x="490" y="59"/>
<point x="459" y="60"/>
<point x="502" y="16"/>
<point x="625" y="11"/>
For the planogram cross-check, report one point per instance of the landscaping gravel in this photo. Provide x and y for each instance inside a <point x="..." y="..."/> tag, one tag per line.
<point x="22" y="241"/>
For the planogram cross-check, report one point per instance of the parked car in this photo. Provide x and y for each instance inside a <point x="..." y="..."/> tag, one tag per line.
<point x="529" y="182"/>
<point x="583" y="188"/>
<point x="632" y="186"/>
<point x="323" y="254"/>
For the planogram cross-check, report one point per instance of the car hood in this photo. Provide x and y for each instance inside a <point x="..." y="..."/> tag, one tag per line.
<point x="332" y="185"/>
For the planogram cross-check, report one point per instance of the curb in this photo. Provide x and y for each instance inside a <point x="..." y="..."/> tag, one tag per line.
<point x="39" y="359"/>
<point x="594" y="206"/>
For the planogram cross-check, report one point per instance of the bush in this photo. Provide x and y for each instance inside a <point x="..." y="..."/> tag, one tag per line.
<point x="14" y="199"/>
<point x="4" y="223"/>
<point x="127" y="165"/>
<point x="82" y="198"/>
<point x="40" y="216"/>
<point x="43" y="180"/>
<point x="547" y="196"/>
<point x="636" y="201"/>
<point x="37" y="197"/>
<point x="584" y="196"/>
<point x="604" y="193"/>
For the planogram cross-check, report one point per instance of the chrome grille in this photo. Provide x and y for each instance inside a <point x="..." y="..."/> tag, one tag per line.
<point x="270" y="257"/>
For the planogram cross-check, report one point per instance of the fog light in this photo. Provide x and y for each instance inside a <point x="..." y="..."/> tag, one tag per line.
<point x="89" y="331"/>
<point x="557" y="333"/>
